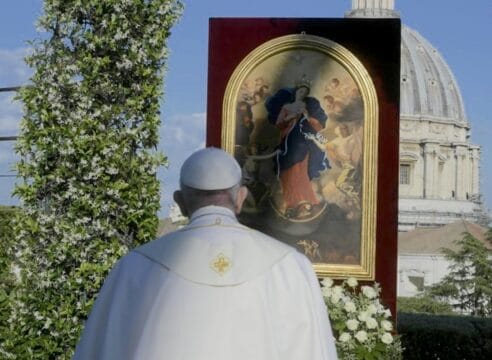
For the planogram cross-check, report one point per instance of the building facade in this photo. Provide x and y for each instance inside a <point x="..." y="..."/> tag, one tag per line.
<point x="439" y="166"/>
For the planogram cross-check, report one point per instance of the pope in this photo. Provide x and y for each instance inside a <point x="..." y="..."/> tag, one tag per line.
<point x="213" y="290"/>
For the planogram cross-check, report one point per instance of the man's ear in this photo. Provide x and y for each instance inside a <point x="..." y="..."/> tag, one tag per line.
<point x="178" y="198"/>
<point x="242" y="194"/>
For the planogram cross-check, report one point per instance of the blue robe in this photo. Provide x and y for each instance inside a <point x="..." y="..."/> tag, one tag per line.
<point x="295" y="146"/>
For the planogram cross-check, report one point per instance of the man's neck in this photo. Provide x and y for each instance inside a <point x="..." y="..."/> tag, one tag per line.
<point x="212" y="209"/>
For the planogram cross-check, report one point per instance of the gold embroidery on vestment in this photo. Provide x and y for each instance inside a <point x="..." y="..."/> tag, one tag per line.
<point x="221" y="264"/>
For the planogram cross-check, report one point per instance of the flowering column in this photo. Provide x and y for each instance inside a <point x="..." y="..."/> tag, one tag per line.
<point x="88" y="161"/>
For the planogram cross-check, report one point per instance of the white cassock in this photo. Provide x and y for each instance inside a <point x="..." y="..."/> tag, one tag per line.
<point x="214" y="290"/>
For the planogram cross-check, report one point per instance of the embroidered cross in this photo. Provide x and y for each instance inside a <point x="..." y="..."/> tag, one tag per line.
<point x="221" y="264"/>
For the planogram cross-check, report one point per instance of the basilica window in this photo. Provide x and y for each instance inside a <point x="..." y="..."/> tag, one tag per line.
<point x="405" y="174"/>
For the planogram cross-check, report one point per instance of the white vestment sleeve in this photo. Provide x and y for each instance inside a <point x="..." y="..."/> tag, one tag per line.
<point x="321" y="314"/>
<point x="302" y="325"/>
<point x="118" y="316"/>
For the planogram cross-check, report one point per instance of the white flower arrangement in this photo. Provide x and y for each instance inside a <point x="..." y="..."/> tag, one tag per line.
<point x="361" y="325"/>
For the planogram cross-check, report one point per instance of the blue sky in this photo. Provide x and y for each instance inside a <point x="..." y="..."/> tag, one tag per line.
<point x="459" y="30"/>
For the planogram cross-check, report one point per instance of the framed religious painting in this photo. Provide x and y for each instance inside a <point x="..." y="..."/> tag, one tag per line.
<point x="310" y="112"/>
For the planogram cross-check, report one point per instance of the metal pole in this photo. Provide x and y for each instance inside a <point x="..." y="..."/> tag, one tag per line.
<point x="8" y="138"/>
<point x="12" y="88"/>
<point x="6" y="89"/>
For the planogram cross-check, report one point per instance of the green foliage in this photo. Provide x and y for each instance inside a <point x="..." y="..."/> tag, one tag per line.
<point x="87" y="161"/>
<point x="7" y="214"/>
<point x="7" y="277"/>
<point x="423" y="304"/>
<point x="468" y="284"/>
<point x="427" y="337"/>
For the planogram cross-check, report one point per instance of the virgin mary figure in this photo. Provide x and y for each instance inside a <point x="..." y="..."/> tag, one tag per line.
<point x="299" y="160"/>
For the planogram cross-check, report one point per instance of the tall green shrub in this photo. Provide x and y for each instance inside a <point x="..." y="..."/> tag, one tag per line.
<point x="7" y="214"/>
<point x="88" y="161"/>
<point x="423" y="304"/>
<point x="7" y="273"/>
<point x="468" y="284"/>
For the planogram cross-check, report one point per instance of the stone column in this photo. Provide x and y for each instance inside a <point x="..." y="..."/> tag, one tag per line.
<point x="460" y="172"/>
<point x="373" y="8"/>
<point x="475" y="159"/>
<point x="373" y="4"/>
<point x="436" y="184"/>
<point x="430" y="165"/>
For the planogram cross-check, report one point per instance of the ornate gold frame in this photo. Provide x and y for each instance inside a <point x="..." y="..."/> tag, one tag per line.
<point x="366" y="269"/>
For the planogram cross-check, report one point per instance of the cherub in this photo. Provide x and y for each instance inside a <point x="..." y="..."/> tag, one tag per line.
<point x="311" y="248"/>
<point x="345" y="152"/>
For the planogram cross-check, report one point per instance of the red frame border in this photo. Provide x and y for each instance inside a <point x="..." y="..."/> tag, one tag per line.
<point x="376" y="43"/>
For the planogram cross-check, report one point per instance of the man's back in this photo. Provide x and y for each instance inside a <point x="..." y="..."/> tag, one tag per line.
<point x="213" y="290"/>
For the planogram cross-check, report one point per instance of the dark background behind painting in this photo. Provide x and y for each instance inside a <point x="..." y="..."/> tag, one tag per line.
<point x="376" y="43"/>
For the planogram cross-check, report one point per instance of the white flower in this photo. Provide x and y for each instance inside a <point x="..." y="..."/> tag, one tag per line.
<point x="47" y="323"/>
<point x="124" y="64"/>
<point x="335" y="298"/>
<point x="364" y="315"/>
<point x="37" y="315"/>
<point x="386" y="325"/>
<point x="344" y="337"/>
<point x="352" y="282"/>
<point x="372" y="309"/>
<point x="141" y="53"/>
<point x="152" y="170"/>
<point x="120" y="35"/>
<point x="16" y="271"/>
<point x="352" y="324"/>
<point x="326" y="291"/>
<point x="387" y="313"/>
<point x="361" y="336"/>
<point x="338" y="290"/>
<point x="350" y="307"/>
<point x="371" y="323"/>
<point x="387" y="338"/>
<point x="163" y="9"/>
<point x="368" y="292"/>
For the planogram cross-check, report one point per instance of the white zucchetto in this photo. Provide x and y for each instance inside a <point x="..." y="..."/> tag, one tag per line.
<point x="210" y="169"/>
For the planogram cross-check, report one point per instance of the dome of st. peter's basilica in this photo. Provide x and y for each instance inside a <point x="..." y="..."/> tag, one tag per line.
<point x="439" y="167"/>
